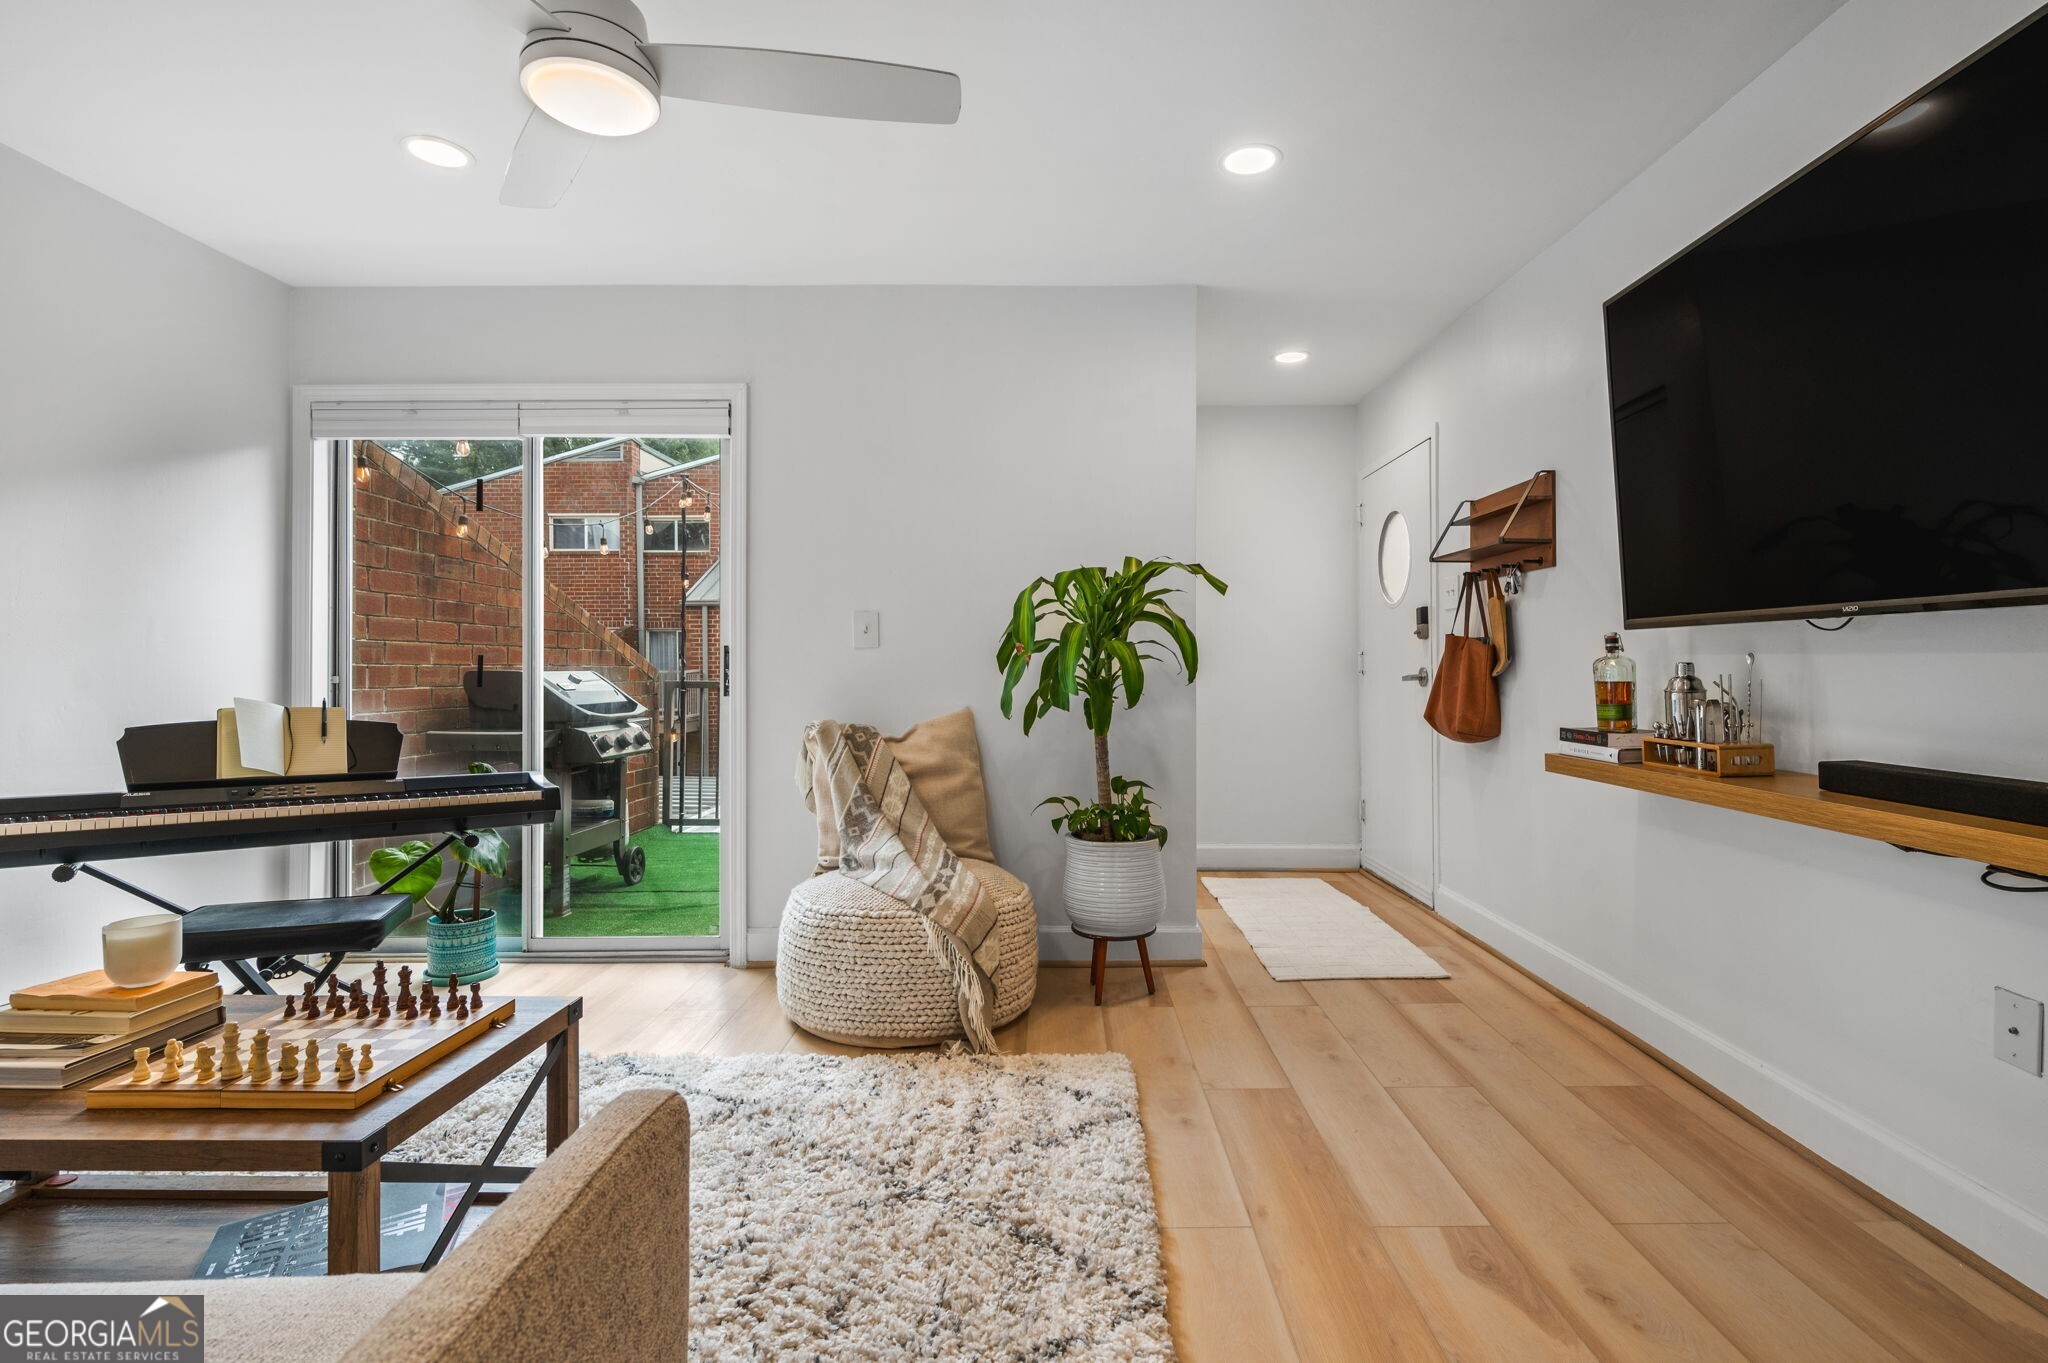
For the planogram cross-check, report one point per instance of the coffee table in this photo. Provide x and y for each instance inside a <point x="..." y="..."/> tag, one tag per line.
<point x="42" y="1133"/>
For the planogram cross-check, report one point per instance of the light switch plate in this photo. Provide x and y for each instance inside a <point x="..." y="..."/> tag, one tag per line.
<point x="867" y="629"/>
<point x="2016" y="1030"/>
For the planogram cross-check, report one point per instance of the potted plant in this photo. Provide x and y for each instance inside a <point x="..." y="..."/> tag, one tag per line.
<point x="461" y="944"/>
<point x="1093" y="630"/>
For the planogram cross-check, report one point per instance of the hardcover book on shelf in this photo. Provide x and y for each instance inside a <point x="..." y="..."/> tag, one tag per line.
<point x="63" y="1062"/>
<point x="1600" y="738"/>
<point x="91" y="991"/>
<point x="16" y="1023"/>
<point x="1593" y="752"/>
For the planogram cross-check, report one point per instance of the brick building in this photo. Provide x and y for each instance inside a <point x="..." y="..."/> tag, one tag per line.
<point x="438" y="583"/>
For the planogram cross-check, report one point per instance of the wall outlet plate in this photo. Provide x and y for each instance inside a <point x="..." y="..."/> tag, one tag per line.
<point x="2016" y="1030"/>
<point x="867" y="629"/>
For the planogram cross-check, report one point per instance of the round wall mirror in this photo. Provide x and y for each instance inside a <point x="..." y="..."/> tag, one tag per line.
<point x="1394" y="557"/>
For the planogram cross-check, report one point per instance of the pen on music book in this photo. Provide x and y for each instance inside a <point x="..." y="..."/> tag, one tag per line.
<point x="323" y="718"/>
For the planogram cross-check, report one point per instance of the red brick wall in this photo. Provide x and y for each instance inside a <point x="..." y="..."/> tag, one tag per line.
<point x="606" y="585"/>
<point x="429" y="601"/>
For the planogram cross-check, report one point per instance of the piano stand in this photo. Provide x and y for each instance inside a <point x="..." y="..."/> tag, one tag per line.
<point x="334" y="927"/>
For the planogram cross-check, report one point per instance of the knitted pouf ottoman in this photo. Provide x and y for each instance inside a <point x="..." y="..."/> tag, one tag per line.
<point x="854" y="965"/>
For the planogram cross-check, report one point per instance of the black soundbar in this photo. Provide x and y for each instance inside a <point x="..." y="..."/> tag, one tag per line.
<point x="1958" y="792"/>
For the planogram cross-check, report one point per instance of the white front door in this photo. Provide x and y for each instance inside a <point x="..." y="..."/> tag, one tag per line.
<point x="1397" y="812"/>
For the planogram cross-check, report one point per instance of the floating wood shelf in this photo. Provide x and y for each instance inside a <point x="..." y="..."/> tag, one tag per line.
<point x="1796" y="797"/>
<point x="1515" y="527"/>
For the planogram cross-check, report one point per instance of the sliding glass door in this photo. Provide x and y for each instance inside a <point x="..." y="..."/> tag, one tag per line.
<point x="463" y="560"/>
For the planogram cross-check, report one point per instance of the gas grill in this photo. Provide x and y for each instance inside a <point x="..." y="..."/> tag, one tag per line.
<point x="591" y="730"/>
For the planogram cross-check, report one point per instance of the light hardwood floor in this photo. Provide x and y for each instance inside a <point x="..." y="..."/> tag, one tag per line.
<point x="1467" y="1170"/>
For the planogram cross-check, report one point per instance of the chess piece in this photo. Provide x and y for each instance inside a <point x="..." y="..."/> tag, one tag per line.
<point x="310" y="1005"/>
<point x="231" y="1051"/>
<point x="203" y="1071"/>
<point x="288" y="1002"/>
<point x="380" y="996"/>
<point x="364" y="1059"/>
<point x="169" y="1073"/>
<point x="404" y="981"/>
<point x="259" y="1057"/>
<point x="288" y="1062"/>
<point x="432" y="1001"/>
<point x="337" y="1004"/>
<point x="460" y="1007"/>
<point x="384" y="1009"/>
<point x="174" y="1055"/>
<point x="476" y="998"/>
<point x="309" y="1066"/>
<point x="333" y="986"/>
<point x="141" y="1074"/>
<point x="344" y="1062"/>
<point x="362" y="1009"/>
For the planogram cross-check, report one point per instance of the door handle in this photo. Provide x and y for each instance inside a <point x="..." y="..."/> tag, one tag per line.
<point x="1420" y="676"/>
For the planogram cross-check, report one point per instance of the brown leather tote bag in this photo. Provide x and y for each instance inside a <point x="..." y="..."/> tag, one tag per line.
<point x="1464" y="703"/>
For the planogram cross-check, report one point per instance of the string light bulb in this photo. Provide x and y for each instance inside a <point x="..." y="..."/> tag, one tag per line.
<point x="462" y="449"/>
<point x="604" y="544"/>
<point x="462" y="525"/>
<point x="362" y="467"/>
<point x="647" y="525"/>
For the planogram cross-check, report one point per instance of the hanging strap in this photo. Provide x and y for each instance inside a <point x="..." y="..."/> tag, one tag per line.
<point x="1461" y="615"/>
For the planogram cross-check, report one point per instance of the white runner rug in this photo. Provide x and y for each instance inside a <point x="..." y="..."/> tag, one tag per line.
<point x="1305" y="929"/>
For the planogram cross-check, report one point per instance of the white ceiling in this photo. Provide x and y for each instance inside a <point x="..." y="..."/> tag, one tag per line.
<point x="1432" y="146"/>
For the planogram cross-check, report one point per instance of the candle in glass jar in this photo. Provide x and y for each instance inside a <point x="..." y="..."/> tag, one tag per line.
<point x="138" y="952"/>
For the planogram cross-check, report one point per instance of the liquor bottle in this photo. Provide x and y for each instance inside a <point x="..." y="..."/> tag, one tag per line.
<point x="1614" y="689"/>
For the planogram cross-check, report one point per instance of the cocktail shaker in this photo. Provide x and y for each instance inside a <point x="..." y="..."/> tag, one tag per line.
<point x="1680" y="693"/>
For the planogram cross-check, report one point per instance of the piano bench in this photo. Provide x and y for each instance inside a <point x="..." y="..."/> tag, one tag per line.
<point x="291" y="927"/>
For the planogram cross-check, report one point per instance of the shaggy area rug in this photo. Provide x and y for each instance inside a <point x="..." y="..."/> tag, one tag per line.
<point x="893" y="1207"/>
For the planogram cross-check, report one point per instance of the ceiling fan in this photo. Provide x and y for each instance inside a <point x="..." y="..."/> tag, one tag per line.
<point x="590" y="72"/>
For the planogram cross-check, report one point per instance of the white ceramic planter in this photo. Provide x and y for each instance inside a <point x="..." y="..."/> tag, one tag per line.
<point x="1114" y="889"/>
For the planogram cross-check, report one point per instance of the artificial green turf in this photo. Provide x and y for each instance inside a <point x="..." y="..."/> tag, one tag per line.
<point x="677" y="898"/>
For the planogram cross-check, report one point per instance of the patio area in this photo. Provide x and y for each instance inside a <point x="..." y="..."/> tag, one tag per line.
<point x="678" y="897"/>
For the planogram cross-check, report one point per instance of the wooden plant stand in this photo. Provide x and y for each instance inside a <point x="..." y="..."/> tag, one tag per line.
<point x="1098" y="965"/>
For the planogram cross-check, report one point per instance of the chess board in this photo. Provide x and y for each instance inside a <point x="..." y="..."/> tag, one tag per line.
<point x="401" y="1047"/>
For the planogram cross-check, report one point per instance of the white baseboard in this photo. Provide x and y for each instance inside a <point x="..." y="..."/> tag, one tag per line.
<point x="2001" y="1230"/>
<point x="1173" y="942"/>
<point x="1274" y="856"/>
<point x="761" y="945"/>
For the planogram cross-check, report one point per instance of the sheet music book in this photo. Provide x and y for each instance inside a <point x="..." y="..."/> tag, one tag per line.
<point x="258" y="738"/>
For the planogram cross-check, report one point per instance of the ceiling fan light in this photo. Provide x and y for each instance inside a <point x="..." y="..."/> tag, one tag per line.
<point x="590" y="96"/>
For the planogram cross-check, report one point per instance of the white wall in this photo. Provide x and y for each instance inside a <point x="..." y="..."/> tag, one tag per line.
<point x="921" y="452"/>
<point x="1837" y="987"/>
<point x="1276" y="736"/>
<point x="142" y="506"/>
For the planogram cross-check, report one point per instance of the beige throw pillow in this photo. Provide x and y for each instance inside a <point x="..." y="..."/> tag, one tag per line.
<point x="942" y="758"/>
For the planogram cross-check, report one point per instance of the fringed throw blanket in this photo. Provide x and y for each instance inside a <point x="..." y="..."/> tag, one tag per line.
<point x="888" y="842"/>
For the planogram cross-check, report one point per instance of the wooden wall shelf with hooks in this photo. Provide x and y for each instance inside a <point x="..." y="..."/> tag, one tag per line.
<point x="1515" y="527"/>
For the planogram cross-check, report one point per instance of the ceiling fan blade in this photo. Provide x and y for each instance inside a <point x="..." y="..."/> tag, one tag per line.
<point x="806" y="83"/>
<point x="544" y="163"/>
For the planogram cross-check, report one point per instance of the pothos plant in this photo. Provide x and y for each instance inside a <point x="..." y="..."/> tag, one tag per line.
<point x="473" y="863"/>
<point x="1093" y="630"/>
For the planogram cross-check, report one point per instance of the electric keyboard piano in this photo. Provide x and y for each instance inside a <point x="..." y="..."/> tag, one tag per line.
<point x="65" y="829"/>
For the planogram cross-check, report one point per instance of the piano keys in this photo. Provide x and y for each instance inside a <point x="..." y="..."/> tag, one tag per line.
<point x="53" y="830"/>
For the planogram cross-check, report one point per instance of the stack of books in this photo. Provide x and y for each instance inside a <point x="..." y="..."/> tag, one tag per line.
<point x="1598" y="745"/>
<point x="81" y="1027"/>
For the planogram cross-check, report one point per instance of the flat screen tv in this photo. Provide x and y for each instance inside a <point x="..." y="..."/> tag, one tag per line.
<point x="1837" y="403"/>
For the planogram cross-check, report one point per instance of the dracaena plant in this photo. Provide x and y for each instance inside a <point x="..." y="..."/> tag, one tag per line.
<point x="1093" y="630"/>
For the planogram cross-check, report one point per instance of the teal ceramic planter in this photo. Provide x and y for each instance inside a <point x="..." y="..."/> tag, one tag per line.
<point x="466" y="951"/>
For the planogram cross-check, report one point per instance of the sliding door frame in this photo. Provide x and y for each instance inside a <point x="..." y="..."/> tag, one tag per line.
<point x="319" y="564"/>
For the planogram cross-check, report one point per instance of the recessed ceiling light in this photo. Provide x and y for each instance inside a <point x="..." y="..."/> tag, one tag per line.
<point x="1256" y="159"/>
<point x="1290" y="357"/>
<point x="438" y="151"/>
